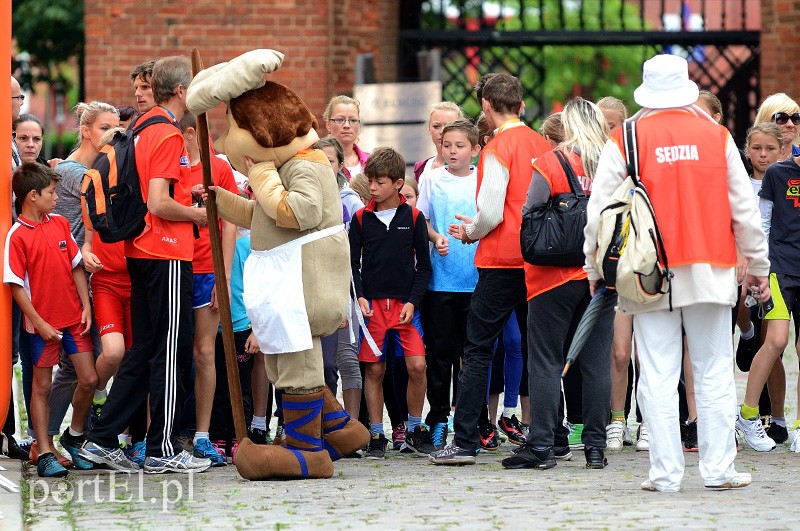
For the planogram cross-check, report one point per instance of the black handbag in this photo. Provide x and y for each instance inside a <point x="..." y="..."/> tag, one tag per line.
<point x="552" y="233"/>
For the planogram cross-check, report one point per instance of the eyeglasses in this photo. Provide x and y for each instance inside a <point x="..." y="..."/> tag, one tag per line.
<point x="781" y="118"/>
<point x="21" y="98"/>
<point x="341" y="121"/>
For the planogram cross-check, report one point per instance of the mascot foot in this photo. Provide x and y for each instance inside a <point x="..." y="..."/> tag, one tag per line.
<point x="303" y="456"/>
<point x="341" y="435"/>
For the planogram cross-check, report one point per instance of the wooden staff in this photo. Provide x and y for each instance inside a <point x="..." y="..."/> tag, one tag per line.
<point x="223" y="297"/>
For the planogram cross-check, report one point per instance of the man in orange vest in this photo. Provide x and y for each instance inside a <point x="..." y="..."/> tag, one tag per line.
<point x="706" y="211"/>
<point x="504" y="174"/>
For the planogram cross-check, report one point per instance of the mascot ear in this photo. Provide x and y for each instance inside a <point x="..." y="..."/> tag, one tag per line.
<point x="225" y="81"/>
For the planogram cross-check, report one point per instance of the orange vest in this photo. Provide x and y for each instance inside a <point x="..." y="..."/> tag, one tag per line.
<point x="539" y="279"/>
<point x="683" y="164"/>
<point x="515" y="148"/>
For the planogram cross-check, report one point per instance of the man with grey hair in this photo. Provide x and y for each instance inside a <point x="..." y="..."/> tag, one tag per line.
<point x="160" y="267"/>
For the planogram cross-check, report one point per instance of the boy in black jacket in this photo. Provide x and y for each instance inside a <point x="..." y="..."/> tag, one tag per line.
<point x="391" y="269"/>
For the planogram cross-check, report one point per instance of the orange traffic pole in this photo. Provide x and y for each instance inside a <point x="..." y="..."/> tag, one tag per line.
<point x="5" y="212"/>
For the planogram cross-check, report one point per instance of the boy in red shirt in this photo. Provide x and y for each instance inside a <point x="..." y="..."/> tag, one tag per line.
<point x="42" y="268"/>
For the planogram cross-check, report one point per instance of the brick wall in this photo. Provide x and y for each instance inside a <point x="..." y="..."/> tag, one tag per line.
<point x="320" y="40"/>
<point x="780" y="47"/>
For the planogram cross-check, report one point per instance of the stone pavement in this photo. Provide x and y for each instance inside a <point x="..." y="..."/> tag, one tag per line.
<point x="405" y="492"/>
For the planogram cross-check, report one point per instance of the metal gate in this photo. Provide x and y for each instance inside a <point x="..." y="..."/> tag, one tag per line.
<point x="565" y="48"/>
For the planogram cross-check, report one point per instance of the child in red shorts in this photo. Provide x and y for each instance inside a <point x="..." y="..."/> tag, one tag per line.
<point x="42" y="268"/>
<point x="391" y="269"/>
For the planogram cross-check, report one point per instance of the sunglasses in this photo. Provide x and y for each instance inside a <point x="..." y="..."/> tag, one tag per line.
<point x="781" y="118"/>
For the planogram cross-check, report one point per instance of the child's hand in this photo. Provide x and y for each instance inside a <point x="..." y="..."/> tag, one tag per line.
<point x="459" y="230"/>
<point x="86" y="320"/>
<point x="48" y="333"/>
<point x="251" y="345"/>
<point x="442" y="245"/>
<point x="344" y="324"/>
<point x="91" y="262"/>
<point x="363" y="303"/>
<point x="406" y="313"/>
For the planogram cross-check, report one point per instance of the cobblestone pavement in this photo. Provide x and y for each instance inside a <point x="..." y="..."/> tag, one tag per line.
<point x="405" y="492"/>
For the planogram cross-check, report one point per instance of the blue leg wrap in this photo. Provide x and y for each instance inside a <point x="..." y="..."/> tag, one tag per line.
<point x="301" y="460"/>
<point x="314" y="408"/>
<point x="335" y="415"/>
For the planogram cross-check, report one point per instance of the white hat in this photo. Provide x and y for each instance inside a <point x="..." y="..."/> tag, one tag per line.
<point x="666" y="84"/>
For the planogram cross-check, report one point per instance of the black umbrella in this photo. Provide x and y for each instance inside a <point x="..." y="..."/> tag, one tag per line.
<point x="602" y="301"/>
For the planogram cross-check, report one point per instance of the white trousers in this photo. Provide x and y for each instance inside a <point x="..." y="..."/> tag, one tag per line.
<point x="659" y="343"/>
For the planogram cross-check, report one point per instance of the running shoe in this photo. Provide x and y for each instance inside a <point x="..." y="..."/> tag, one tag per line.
<point x="575" y="436"/>
<point x="562" y="453"/>
<point x="595" y="457"/>
<point x="280" y="435"/>
<point x="690" y="440"/>
<point x="739" y="480"/>
<point x="398" y="436"/>
<point x="777" y="433"/>
<point x="489" y="439"/>
<point x="48" y="467"/>
<point x="615" y="435"/>
<point x="72" y="445"/>
<point x="754" y="435"/>
<point x="183" y="462"/>
<point x="113" y="458"/>
<point x="512" y="427"/>
<point x="137" y="453"/>
<point x="420" y="441"/>
<point x="377" y="447"/>
<point x="439" y="433"/>
<point x="794" y="440"/>
<point x="203" y="449"/>
<point x="453" y="455"/>
<point x="259" y="436"/>
<point x="642" y="439"/>
<point x="526" y="457"/>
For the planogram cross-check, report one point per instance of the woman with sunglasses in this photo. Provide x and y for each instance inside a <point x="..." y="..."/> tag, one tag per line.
<point x="784" y="111"/>
<point x="343" y="123"/>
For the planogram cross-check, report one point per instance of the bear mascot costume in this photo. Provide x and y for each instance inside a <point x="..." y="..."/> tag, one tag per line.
<point x="297" y="278"/>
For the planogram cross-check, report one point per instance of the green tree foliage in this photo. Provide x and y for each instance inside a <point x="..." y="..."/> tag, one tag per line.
<point x="551" y="73"/>
<point x="52" y="32"/>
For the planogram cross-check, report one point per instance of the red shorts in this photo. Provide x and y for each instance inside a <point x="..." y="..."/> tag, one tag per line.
<point x="112" y="308"/>
<point x="46" y="353"/>
<point x="385" y="322"/>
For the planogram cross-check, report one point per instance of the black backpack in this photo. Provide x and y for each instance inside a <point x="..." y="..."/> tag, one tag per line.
<point x="111" y="196"/>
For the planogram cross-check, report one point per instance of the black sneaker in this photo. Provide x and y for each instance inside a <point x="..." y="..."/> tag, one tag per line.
<point x="562" y="453"/>
<point x="259" y="436"/>
<point x="777" y="433"/>
<point x="512" y="427"/>
<point x="526" y="457"/>
<point x="420" y="440"/>
<point x="595" y="457"/>
<point x="453" y="455"/>
<point x="377" y="447"/>
<point x="10" y="448"/>
<point x="690" y="439"/>
<point x="489" y="439"/>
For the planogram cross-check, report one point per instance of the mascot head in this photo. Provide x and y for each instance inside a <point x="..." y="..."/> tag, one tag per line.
<point x="266" y="120"/>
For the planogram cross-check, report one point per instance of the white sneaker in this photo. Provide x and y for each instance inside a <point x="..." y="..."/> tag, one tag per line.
<point x="642" y="439"/>
<point x="794" y="440"/>
<point x="615" y="435"/>
<point x="754" y="434"/>
<point x="739" y="479"/>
